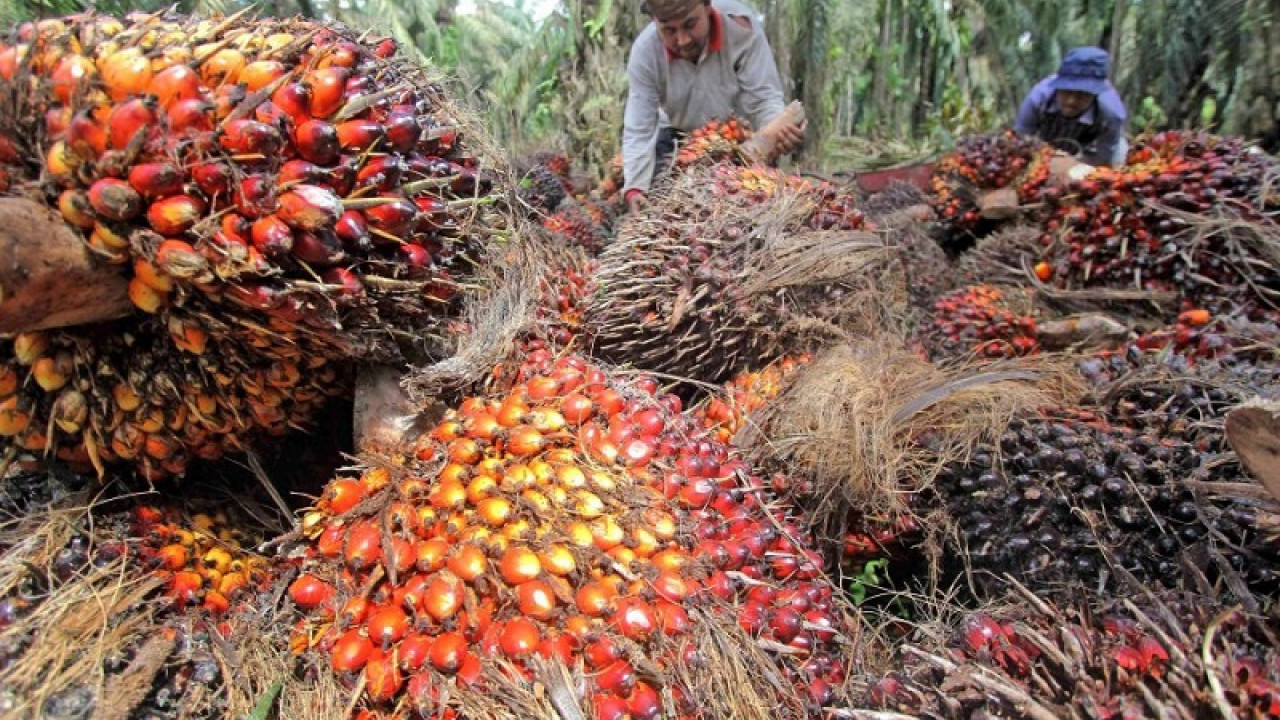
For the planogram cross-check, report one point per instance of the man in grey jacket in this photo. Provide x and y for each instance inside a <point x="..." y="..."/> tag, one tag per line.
<point x="698" y="60"/>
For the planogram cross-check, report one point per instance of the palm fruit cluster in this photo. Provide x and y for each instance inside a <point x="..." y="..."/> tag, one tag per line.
<point x="283" y="195"/>
<point x="1172" y="655"/>
<point x="981" y="320"/>
<point x="716" y="141"/>
<point x="981" y="163"/>
<point x="544" y="181"/>
<point x="583" y="224"/>
<point x="202" y="557"/>
<point x="577" y="518"/>
<point x="1142" y="226"/>
<point x="724" y="414"/>
<point x="682" y="287"/>
<point x="1072" y="495"/>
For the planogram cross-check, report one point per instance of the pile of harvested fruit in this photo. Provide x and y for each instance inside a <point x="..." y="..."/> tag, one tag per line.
<point x="284" y="198"/>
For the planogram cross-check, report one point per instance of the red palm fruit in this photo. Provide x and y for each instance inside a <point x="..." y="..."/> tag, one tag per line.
<point x="76" y="210"/>
<point x="382" y="172"/>
<point x="342" y="176"/>
<point x="309" y="207"/>
<point x="382" y="676"/>
<point x="351" y="652"/>
<point x="226" y="99"/>
<point x="175" y="215"/>
<point x="272" y="237"/>
<point x="317" y="141"/>
<point x="415" y="258"/>
<point x="393" y="218"/>
<point x="129" y="118"/>
<point x="178" y="259"/>
<point x="174" y="83"/>
<point x="236" y="226"/>
<point x="114" y="199"/>
<point x="352" y="230"/>
<point x="328" y="90"/>
<point x="212" y="178"/>
<point x="345" y="281"/>
<point x="402" y="130"/>
<point x="257" y="297"/>
<point x="156" y="180"/>
<point x="299" y="171"/>
<point x="261" y="73"/>
<point x="125" y="72"/>
<point x="433" y="213"/>
<point x="309" y="591"/>
<point x="87" y="134"/>
<point x="255" y="196"/>
<point x="385" y="48"/>
<point x="319" y="247"/>
<point x="250" y="137"/>
<point x="56" y="121"/>
<point x="359" y="135"/>
<point x="295" y="100"/>
<point x="190" y="115"/>
<point x="71" y="75"/>
<point x="224" y="66"/>
<point x="268" y="113"/>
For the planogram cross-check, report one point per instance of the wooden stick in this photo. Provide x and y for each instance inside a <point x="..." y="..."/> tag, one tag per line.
<point x="48" y="276"/>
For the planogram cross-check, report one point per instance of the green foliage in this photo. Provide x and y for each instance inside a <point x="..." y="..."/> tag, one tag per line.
<point x="869" y="578"/>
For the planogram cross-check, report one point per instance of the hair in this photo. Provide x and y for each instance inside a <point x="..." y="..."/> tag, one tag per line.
<point x="665" y="9"/>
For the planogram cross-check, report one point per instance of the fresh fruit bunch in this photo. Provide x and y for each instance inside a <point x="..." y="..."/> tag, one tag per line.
<point x="717" y="141"/>
<point x="1066" y="493"/>
<point x="610" y="187"/>
<point x="928" y="271"/>
<point x="1169" y="656"/>
<point x="577" y="518"/>
<point x="980" y="319"/>
<point x="204" y="558"/>
<point x="579" y="224"/>
<point x="694" y="286"/>
<point x="544" y="181"/>
<point x="981" y="163"/>
<point x="1004" y="258"/>
<point x="1182" y="216"/>
<point x="284" y="196"/>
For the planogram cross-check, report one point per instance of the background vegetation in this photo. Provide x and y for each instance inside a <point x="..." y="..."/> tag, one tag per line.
<point x="882" y="79"/>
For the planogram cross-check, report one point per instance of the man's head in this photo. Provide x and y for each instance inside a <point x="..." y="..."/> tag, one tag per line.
<point x="1082" y="76"/>
<point x="683" y="25"/>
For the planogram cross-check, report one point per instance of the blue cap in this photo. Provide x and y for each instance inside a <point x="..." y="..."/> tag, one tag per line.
<point x="1084" y="69"/>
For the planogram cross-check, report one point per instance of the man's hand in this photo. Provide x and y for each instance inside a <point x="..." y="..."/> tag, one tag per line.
<point x="636" y="200"/>
<point x="789" y="137"/>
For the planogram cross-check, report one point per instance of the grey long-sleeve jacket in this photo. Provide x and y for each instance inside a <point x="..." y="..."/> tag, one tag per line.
<point x="736" y="75"/>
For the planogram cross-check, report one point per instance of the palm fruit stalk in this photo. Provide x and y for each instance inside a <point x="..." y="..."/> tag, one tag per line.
<point x="1189" y="214"/>
<point x="730" y="268"/>
<point x="284" y="197"/>
<point x="1143" y="484"/>
<point x="980" y="164"/>
<point x="577" y="518"/>
<point x="1168" y="655"/>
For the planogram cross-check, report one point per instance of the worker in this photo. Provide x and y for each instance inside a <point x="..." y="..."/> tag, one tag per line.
<point x="1077" y="110"/>
<point x="697" y="61"/>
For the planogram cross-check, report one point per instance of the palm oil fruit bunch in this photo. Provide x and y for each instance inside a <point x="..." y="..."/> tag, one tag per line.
<point x="1067" y="496"/>
<point x="544" y="181"/>
<point x="716" y="141"/>
<point x="982" y="163"/>
<point x="1137" y="226"/>
<point x="203" y="557"/>
<point x="576" y="518"/>
<point x="680" y="288"/>
<point x="578" y="226"/>
<point x="284" y="196"/>
<point x="982" y="320"/>
<point x="1168" y="655"/>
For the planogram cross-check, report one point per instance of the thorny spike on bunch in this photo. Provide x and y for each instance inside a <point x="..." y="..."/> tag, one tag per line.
<point x="174" y="144"/>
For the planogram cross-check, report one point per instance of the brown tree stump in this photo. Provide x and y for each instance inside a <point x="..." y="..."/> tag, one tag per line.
<point x="48" y="276"/>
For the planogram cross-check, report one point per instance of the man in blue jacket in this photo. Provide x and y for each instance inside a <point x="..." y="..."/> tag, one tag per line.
<point x="1078" y="110"/>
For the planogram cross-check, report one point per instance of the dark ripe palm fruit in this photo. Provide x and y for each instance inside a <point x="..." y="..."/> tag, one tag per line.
<point x="511" y="533"/>
<point x="982" y="320"/>
<point x="982" y="163"/>
<point x="689" y="297"/>
<point x="154" y="134"/>
<point x="1070" y="488"/>
<point x="1141" y="656"/>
